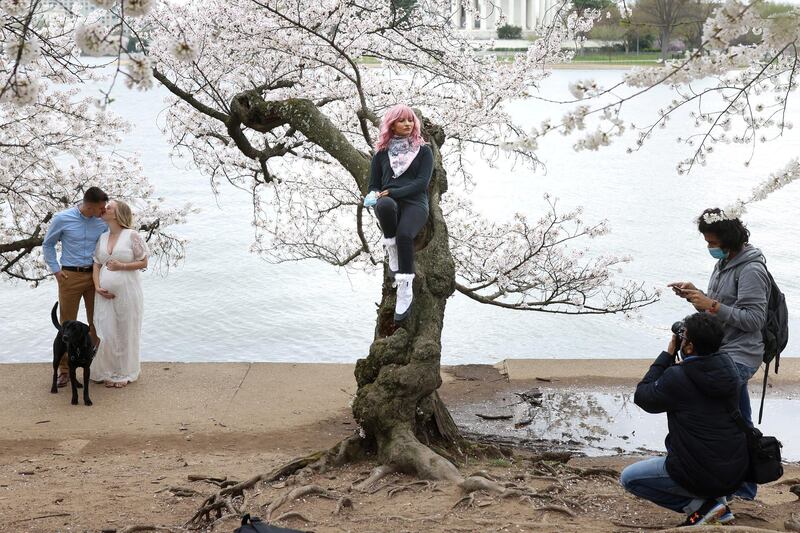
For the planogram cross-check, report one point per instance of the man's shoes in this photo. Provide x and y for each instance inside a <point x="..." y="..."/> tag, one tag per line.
<point x="63" y="379"/>
<point x="726" y="518"/>
<point x="405" y="294"/>
<point x="391" y="254"/>
<point x="710" y="511"/>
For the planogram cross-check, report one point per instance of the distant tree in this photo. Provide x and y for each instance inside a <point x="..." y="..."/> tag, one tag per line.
<point x="692" y="31"/>
<point x="581" y="5"/>
<point x="509" y="32"/>
<point x="666" y="16"/>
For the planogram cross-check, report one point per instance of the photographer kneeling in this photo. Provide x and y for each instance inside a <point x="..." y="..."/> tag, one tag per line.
<point x="707" y="456"/>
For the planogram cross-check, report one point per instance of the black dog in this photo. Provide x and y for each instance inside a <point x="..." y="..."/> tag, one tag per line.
<point x="72" y="338"/>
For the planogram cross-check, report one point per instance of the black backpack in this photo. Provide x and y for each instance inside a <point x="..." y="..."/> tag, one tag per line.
<point x="776" y="328"/>
<point x="255" y="525"/>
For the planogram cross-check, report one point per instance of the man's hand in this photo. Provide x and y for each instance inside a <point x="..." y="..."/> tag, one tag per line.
<point x="61" y="276"/>
<point x="700" y="301"/>
<point x="674" y="344"/>
<point x="105" y="293"/>
<point x="680" y="287"/>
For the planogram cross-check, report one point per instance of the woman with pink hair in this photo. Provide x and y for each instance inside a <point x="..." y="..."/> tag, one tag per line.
<point x="399" y="176"/>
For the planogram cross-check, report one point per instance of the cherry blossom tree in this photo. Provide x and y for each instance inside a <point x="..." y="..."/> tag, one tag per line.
<point x="735" y="93"/>
<point x="55" y="143"/>
<point x="293" y="119"/>
<point x="282" y="98"/>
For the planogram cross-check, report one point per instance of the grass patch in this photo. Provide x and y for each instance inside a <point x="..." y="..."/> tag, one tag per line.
<point x="642" y="57"/>
<point x="500" y="463"/>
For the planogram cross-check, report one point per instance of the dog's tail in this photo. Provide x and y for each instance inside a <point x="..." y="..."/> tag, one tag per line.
<point x="53" y="315"/>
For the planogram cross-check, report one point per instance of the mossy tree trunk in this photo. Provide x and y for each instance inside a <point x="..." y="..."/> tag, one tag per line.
<point x="397" y="402"/>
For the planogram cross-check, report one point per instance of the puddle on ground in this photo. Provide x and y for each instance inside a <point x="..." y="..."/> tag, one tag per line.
<point x="603" y="422"/>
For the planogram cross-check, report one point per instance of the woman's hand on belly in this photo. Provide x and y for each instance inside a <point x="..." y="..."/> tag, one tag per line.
<point x="105" y="293"/>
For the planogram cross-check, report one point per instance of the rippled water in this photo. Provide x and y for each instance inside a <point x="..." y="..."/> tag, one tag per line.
<point x="225" y="304"/>
<point x="603" y="423"/>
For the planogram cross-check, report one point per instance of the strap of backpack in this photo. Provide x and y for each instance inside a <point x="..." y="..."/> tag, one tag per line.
<point x="741" y="423"/>
<point x="763" y="393"/>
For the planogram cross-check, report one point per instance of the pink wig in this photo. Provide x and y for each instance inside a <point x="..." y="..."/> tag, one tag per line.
<point x="392" y="115"/>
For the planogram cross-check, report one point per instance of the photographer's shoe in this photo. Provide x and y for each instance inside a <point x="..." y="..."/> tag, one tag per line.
<point x="405" y="295"/>
<point x="727" y="518"/>
<point x="391" y="254"/>
<point x="710" y="511"/>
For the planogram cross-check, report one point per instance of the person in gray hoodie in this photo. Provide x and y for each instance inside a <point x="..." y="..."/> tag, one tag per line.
<point x="737" y="294"/>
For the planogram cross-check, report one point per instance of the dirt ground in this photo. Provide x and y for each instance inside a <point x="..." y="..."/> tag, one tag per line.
<point x="112" y="481"/>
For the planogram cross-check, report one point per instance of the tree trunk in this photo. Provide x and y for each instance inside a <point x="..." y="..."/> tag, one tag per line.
<point x="665" y="37"/>
<point x="397" y="404"/>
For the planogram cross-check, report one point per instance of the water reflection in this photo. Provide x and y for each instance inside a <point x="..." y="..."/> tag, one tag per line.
<point x="597" y="423"/>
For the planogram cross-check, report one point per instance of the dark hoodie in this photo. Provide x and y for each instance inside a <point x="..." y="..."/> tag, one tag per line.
<point x="743" y="306"/>
<point x="706" y="451"/>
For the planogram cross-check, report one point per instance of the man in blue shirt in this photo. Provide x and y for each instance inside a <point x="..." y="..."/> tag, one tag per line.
<point x="78" y="229"/>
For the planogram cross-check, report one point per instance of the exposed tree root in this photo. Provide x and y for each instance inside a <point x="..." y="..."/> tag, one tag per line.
<point x="343" y="503"/>
<point x="608" y="472"/>
<point x="401" y="452"/>
<point x="377" y="474"/>
<point x="466" y="501"/>
<point x="224" y="500"/>
<point x="556" y="509"/>
<point x="752" y="516"/>
<point x="293" y="514"/>
<point x="133" y="529"/>
<point x="299" y="492"/>
<point x="218" y="481"/>
<point x="557" y="457"/>
<point x="484" y="474"/>
<point x="793" y="524"/>
<point x="637" y="526"/>
<point x="218" y="507"/>
<point x="40" y="517"/>
<point x="180" y="492"/>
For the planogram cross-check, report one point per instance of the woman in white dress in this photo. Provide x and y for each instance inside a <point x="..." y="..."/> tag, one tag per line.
<point x="118" y="304"/>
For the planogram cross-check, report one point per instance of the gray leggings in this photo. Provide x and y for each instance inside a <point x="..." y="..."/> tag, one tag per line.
<point x="401" y="221"/>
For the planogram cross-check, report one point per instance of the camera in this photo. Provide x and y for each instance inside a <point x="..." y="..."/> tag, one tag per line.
<point x="678" y="328"/>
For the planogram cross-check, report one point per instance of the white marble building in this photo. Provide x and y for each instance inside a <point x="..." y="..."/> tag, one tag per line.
<point x="483" y="20"/>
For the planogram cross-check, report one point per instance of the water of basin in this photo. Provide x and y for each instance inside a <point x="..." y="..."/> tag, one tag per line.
<point x="602" y="422"/>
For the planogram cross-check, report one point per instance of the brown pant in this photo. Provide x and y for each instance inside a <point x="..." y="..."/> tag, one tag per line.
<point x="70" y="291"/>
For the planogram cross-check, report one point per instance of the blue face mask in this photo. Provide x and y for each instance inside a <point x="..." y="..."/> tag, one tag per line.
<point x="718" y="253"/>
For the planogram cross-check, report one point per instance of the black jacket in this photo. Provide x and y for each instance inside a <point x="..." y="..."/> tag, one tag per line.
<point x="409" y="187"/>
<point x="706" y="452"/>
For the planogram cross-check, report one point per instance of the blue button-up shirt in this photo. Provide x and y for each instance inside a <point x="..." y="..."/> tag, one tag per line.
<point x="78" y="235"/>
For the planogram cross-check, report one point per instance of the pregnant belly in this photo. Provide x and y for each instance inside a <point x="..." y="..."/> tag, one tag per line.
<point x="112" y="281"/>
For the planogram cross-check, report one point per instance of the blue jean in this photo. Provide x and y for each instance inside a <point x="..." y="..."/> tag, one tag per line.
<point x="748" y="490"/>
<point x="649" y="479"/>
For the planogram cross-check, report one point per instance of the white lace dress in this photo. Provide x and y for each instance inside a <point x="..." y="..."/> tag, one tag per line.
<point x="118" y="321"/>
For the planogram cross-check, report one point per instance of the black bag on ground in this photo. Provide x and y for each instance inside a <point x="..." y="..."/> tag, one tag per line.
<point x="764" y="452"/>
<point x="765" y="458"/>
<point x="255" y="525"/>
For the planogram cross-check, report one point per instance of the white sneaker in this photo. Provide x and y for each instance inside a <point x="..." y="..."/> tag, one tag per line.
<point x="405" y="294"/>
<point x="391" y="254"/>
